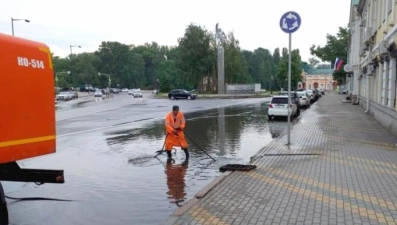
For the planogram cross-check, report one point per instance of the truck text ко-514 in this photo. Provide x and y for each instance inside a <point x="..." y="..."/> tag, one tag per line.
<point x="27" y="126"/>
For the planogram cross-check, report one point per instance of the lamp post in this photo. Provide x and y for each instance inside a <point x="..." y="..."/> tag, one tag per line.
<point x="71" y="54"/>
<point x="271" y="85"/>
<point x="12" y="23"/>
<point x="73" y="46"/>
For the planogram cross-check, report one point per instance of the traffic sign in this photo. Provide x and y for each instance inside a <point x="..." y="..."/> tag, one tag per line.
<point x="290" y="22"/>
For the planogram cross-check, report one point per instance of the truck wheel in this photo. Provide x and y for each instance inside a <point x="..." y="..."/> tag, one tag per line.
<point x="3" y="208"/>
<point x="172" y="97"/>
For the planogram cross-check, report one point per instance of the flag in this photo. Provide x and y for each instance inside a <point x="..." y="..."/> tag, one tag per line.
<point x="338" y="63"/>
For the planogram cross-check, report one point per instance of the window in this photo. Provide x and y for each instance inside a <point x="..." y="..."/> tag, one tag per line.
<point x="280" y="101"/>
<point x="389" y="6"/>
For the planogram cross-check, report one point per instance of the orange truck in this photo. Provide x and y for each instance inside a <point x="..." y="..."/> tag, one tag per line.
<point x="27" y="110"/>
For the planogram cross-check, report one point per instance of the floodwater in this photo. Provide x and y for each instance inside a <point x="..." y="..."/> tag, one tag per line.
<point x="115" y="179"/>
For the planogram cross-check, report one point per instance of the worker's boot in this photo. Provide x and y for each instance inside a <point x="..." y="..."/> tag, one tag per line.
<point x="169" y="154"/>
<point x="186" y="152"/>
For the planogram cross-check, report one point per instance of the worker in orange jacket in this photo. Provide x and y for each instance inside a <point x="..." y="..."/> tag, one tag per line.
<point x="174" y="125"/>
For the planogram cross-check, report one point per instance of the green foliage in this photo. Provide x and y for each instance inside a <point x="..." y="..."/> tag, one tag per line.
<point x="190" y="64"/>
<point x="296" y="69"/>
<point x="336" y="47"/>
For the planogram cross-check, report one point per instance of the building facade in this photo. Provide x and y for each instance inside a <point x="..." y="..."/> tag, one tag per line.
<point x="318" y="78"/>
<point x="372" y="59"/>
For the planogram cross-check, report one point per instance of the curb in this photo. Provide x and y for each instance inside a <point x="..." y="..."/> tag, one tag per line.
<point x="201" y="194"/>
<point x="220" y="97"/>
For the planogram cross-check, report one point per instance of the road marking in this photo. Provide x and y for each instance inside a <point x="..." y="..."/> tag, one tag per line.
<point x="203" y="216"/>
<point x="26" y="141"/>
<point x="111" y="126"/>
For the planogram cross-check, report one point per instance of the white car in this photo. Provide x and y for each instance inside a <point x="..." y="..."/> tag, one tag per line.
<point x="311" y="94"/>
<point x="304" y="98"/>
<point x="64" y="96"/>
<point x="278" y="107"/>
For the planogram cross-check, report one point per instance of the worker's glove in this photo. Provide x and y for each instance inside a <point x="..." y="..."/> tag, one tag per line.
<point x="175" y="131"/>
<point x="178" y="129"/>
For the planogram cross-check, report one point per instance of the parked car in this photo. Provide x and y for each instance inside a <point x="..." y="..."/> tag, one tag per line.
<point x="295" y="97"/>
<point x="181" y="93"/>
<point x="343" y="91"/>
<point x="99" y="93"/>
<point x="114" y="90"/>
<point x="137" y="94"/>
<point x="278" y="107"/>
<point x="155" y="91"/>
<point x="304" y="98"/>
<point x="124" y="90"/>
<point x="64" y="96"/>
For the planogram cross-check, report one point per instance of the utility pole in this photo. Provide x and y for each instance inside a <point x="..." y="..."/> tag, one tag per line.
<point x="220" y="38"/>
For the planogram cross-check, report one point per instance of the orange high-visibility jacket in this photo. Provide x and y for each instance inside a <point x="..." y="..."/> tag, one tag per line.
<point x="171" y="123"/>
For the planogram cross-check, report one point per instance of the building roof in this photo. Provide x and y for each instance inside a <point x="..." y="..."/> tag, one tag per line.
<point x="318" y="71"/>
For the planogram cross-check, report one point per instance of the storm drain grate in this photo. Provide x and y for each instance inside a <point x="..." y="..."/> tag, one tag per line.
<point x="234" y="167"/>
<point x="290" y="154"/>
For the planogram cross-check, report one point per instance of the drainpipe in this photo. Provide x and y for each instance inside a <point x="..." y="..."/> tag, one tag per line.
<point x="358" y="91"/>
<point x="367" y="92"/>
<point x="369" y="59"/>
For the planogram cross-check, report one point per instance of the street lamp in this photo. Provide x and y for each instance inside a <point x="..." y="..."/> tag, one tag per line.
<point x="73" y="46"/>
<point x="12" y="23"/>
<point x="271" y="84"/>
<point x="71" y="53"/>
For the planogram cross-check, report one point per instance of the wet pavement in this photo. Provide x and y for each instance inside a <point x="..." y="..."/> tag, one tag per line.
<point x="106" y="149"/>
<point x="339" y="169"/>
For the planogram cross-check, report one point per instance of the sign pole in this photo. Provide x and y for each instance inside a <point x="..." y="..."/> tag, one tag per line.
<point x="289" y="23"/>
<point x="289" y="90"/>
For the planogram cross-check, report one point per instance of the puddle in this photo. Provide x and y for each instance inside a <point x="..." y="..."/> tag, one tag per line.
<point x="117" y="180"/>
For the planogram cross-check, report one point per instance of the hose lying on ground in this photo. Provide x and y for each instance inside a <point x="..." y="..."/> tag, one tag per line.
<point x="39" y="199"/>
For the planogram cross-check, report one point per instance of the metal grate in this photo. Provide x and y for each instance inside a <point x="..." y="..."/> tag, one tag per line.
<point x="234" y="167"/>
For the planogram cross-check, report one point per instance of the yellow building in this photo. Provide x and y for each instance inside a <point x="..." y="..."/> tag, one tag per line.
<point x="372" y="58"/>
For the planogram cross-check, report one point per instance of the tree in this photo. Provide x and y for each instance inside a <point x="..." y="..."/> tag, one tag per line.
<point x="196" y="56"/>
<point x="313" y="62"/>
<point x="296" y="69"/>
<point x="113" y="56"/>
<point x="236" y="66"/>
<point x="336" y="47"/>
<point x="85" y="67"/>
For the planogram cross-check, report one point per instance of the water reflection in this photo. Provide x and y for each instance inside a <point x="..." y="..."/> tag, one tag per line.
<point x="176" y="181"/>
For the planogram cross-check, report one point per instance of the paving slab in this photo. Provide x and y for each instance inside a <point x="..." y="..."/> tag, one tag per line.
<point x="340" y="169"/>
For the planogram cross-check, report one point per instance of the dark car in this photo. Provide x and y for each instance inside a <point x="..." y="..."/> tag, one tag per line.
<point x="295" y="96"/>
<point x="180" y="93"/>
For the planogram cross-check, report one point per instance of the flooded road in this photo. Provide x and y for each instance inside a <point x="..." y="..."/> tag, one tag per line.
<point x="109" y="166"/>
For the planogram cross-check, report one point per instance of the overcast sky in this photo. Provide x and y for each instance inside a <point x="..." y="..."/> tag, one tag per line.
<point x="60" y="24"/>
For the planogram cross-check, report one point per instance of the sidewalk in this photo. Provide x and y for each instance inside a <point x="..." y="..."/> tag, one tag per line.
<point x="352" y="180"/>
